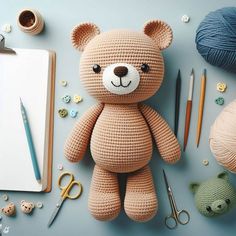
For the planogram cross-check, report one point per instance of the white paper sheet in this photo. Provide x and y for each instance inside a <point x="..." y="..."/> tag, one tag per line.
<point x="23" y="75"/>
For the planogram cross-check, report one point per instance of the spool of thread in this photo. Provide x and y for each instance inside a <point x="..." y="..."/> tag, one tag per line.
<point x="30" y="21"/>
<point x="223" y="137"/>
<point x="216" y="38"/>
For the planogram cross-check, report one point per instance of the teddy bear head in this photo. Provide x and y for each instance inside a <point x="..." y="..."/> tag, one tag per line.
<point x="122" y="66"/>
<point x="215" y="196"/>
<point x="9" y="209"/>
<point x="26" y="207"/>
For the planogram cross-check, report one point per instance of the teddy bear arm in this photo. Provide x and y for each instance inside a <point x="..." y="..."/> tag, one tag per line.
<point x="165" y="139"/>
<point x="77" y="142"/>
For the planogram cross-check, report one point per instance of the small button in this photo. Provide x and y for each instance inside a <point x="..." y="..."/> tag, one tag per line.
<point x="7" y="28"/>
<point x="219" y="101"/>
<point x="63" y="83"/>
<point x="221" y="87"/>
<point x="77" y="99"/>
<point x="66" y="98"/>
<point x="73" y="113"/>
<point x="205" y="162"/>
<point x="6" y="230"/>
<point x="62" y="112"/>
<point x="60" y="167"/>
<point x="185" y="18"/>
<point x="5" y="197"/>
<point x="39" y="205"/>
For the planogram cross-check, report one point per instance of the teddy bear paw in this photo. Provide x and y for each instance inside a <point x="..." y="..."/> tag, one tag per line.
<point x="140" y="207"/>
<point x="104" y="206"/>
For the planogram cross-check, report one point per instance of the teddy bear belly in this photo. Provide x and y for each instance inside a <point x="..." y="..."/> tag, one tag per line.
<point x="121" y="146"/>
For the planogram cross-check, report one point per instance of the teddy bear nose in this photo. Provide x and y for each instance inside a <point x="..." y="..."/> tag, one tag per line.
<point x="120" y="71"/>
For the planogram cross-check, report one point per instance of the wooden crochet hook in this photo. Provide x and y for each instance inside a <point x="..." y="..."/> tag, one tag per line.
<point x="188" y="109"/>
<point x="201" y="106"/>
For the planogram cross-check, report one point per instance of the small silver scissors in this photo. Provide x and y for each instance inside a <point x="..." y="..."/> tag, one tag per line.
<point x="65" y="193"/>
<point x="182" y="217"/>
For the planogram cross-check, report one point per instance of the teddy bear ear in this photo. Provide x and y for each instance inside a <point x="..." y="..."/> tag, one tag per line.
<point x="82" y="34"/>
<point x="160" y="32"/>
<point x="32" y="205"/>
<point x="194" y="187"/>
<point x="224" y="175"/>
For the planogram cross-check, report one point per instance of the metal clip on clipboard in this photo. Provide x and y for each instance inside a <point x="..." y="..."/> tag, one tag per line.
<point x="4" y="49"/>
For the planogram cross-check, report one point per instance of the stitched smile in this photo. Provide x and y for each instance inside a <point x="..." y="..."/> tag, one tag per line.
<point x="121" y="84"/>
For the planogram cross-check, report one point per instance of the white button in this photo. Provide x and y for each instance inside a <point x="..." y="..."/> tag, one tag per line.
<point x="6" y="28"/>
<point x="39" y="204"/>
<point x="63" y="83"/>
<point x="185" y="18"/>
<point x="5" y="197"/>
<point x="60" y="167"/>
<point x="6" y="230"/>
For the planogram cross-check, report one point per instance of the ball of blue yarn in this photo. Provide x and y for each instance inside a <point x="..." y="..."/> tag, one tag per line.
<point x="216" y="38"/>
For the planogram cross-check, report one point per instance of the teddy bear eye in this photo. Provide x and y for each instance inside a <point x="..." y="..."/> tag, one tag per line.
<point x="96" y="68"/>
<point x="208" y="208"/>
<point x="227" y="201"/>
<point x="145" y="67"/>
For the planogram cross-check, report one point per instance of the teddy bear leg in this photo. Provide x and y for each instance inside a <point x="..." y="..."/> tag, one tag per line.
<point x="140" y="199"/>
<point x="104" y="199"/>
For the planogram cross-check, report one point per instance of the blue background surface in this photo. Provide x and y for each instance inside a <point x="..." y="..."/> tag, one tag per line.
<point x="60" y="17"/>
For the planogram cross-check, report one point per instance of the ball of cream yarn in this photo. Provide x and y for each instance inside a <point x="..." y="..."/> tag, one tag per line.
<point x="223" y="137"/>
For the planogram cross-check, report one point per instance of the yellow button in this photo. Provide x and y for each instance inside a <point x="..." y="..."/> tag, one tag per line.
<point x="221" y="87"/>
<point x="77" y="99"/>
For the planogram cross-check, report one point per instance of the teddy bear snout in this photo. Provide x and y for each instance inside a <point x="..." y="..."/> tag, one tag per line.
<point x="121" y="71"/>
<point x="219" y="206"/>
<point x="120" y="78"/>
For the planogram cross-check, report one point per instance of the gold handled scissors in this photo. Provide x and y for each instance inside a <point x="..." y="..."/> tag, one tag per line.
<point x="65" y="193"/>
<point x="176" y="217"/>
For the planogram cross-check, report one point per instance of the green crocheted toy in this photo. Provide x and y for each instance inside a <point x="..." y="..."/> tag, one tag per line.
<point x="215" y="196"/>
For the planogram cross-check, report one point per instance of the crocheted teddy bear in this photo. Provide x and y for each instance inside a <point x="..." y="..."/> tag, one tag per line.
<point x="215" y="196"/>
<point x="121" y="68"/>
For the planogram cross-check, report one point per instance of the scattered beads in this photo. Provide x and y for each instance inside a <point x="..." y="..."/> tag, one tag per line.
<point x="63" y="113"/>
<point x="5" y="197"/>
<point x="66" y="98"/>
<point x="219" y="101"/>
<point x="60" y="167"/>
<point x="63" y="83"/>
<point x="77" y="99"/>
<point x="6" y="28"/>
<point x="205" y="162"/>
<point x="221" y="87"/>
<point x="73" y="113"/>
<point x="185" y="18"/>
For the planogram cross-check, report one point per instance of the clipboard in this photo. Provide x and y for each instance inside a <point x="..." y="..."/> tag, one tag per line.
<point x="29" y="73"/>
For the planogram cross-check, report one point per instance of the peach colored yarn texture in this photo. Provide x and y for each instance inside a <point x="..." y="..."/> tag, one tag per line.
<point x="223" y="137"/>
<point x="121" y="68"/>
